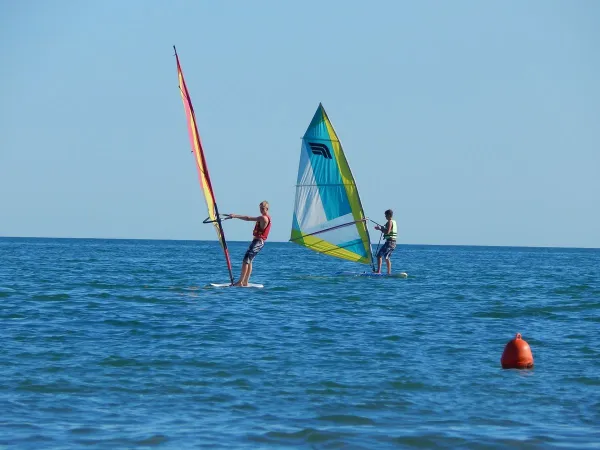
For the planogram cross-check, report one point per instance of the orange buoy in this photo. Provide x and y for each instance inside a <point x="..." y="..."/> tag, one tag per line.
<point x="517" y="354"/>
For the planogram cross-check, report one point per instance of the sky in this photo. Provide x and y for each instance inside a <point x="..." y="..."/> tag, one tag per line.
<point x="478" y="123"/>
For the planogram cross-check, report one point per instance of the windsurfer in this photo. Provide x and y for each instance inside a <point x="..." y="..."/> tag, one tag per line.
<point x="260" y="233"/>
<point x="390" y="232"/>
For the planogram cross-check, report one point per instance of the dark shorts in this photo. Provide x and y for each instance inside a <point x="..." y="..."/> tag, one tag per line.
<point x="255" y="246"/>
<point x="387" y="249"/>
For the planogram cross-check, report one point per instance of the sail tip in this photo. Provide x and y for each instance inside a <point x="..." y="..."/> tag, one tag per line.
<point x="321" y="109"/>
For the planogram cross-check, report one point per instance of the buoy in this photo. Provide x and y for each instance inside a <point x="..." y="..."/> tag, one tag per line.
<point x="517" y="354"/>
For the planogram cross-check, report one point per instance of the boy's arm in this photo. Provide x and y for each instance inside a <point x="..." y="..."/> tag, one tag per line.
<point x="386" y="229"/>
<point x="246" y="218"/>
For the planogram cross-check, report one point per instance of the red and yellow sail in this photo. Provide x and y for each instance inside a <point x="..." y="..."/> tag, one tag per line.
<point x="198" y="151"/>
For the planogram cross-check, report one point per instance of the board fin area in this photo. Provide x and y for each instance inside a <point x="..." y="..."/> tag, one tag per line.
<point x="221" y="285"/>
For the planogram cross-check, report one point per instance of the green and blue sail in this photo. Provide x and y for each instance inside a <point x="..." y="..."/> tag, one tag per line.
<point x="328" y="215"/>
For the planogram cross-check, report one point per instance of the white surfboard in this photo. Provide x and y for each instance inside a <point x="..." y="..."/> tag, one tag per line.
<point x="250" y="285"/>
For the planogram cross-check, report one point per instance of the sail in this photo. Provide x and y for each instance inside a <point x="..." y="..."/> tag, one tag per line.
<point x="328" y="215"/>
<point x="198" y="151"/>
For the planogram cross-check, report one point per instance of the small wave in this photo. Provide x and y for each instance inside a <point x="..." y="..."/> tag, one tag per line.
<point x="124" y="323"/>
<point x="58" y="409"/>
<point x="307" y="435"/>
<point x="220" y="374"/>
<point x="407" y="385"/>
<point x="586" y="381"/>
<point x="572" y="290"/>
<point x="326" y="388"/>
<point x="125" y="443"/>
<point x="220" y="398"/>
<point x="318" y="329"/>
<point x="579" y="307"/>
<point x="93" y="305"/>
<point x="333" y="384"/>
<point x="393" y="337"/>
<point x="239" y="382"/>
<point x="29" y="439"/>
<point x="139" y="299"/>
<point x="383" y="405"/>
<point x="115" y="361"/>
<point x="347" y="419"/>
<point x="13" y="316"/>
<point x="102" y="285"/>
<point x="58" y="387"/>
<point x="51" y="297"/>
<point x="200" y="363"/>
<point x="84" y="430"/>
<point x="543" y="312"/>
<point x="195" y="383"/>
<point x="137" y="390"/>
<point x="281" y="289"/>
<point x="157" y="439"/>
<point x="245" y="407"/>
<point x="26" y="425"/>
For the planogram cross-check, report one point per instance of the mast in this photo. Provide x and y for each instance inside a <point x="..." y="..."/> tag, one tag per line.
<point x="203" y="175"/>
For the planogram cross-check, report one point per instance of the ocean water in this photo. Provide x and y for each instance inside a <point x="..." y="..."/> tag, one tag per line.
<point x="118" y="344"/>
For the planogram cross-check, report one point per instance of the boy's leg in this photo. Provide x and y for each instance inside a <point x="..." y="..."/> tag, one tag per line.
<point x="242" y="275"/>
<point x="247" y="275"/>
<point x="246" y="266"/>
<point x="380" y="255"/>
<point x="388" y="256"/>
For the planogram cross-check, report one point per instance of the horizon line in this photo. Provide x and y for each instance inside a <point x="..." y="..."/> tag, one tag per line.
<point x="285" y="242"/>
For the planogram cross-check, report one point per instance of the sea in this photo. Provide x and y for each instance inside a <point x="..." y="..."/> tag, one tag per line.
<point x="120" y="344"/>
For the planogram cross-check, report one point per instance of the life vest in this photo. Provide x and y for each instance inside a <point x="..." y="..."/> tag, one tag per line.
<point x="391" y="236"/>
<point x="262" y="234"/>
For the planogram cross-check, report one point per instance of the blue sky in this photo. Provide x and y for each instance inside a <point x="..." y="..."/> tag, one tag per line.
<point x="477" y="122"/>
